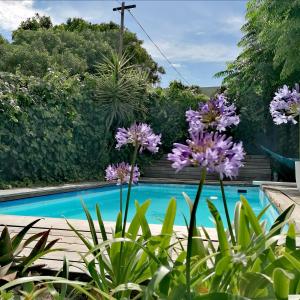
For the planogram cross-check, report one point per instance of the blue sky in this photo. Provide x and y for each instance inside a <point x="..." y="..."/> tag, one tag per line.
<point x="198" y="37"/>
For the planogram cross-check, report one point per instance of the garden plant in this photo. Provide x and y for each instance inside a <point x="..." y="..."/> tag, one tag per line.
<point x="72" y="109"/>
<point x="248" y="260"/>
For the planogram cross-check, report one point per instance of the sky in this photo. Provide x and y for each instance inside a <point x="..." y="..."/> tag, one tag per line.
<point x="198" y="37"/>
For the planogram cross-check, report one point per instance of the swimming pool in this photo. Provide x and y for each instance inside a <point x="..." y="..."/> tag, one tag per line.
<point x="68" y="205"/>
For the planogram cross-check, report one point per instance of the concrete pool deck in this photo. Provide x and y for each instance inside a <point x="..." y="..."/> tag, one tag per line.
<point x="280" y="194"/>
<point x="72" y="246"/>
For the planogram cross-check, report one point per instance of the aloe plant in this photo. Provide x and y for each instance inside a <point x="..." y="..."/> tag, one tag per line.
<point x="13" y="263"/>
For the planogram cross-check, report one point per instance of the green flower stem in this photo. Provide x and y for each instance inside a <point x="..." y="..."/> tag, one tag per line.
<point x="136" y="148"/>
<point x="121" y="198"/>
<point x="191" y="232"/>
<point x="227" y="213"/>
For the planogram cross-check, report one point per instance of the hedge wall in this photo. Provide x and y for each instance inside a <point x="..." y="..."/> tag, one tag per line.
<point x="49" y="130"/>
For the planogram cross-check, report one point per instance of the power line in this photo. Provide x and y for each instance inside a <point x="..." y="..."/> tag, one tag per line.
<point x="156" y="46"/>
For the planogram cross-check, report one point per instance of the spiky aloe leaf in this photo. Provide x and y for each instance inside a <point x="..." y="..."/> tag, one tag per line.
<point x="6" y="249"/>
<point x="17" y="239"/>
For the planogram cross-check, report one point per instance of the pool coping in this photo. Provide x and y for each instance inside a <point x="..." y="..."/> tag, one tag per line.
<point x="21" y="193"/>
<point x="282" y="195"/>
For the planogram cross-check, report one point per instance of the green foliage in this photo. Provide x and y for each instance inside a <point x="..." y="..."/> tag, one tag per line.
<point x="76" y="47"/>
<point x="61" y="127"/>
<point x="48" y="129"/>
<point x="167" y="108"/>
<point x="268" y="60"/>
<point x="120" y="91"/>
<point x="142" y="252"/>
<point x="13" y="261"/>
<point x="36" y="22"/>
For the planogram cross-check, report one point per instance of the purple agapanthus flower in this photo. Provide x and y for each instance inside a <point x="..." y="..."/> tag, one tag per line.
<point x="120" y="173"/>
<point x="140" y="135"/>
<point x="216" y="114"/>
<point x="213" y="151"/>
<point x="285" y="105"/>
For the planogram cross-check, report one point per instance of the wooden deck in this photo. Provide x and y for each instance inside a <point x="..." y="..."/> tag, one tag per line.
<point x="256" y="167"/>
<point x="71" y="244"/>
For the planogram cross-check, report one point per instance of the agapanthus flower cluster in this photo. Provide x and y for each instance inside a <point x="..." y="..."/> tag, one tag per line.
<point x="211" y="150"/>
<point x="120" y="173"/>
<point x="207" y="147"/>
<point x="140" y="135"/>
<point x="215" y="114"/>
<point x="285" y="105"/>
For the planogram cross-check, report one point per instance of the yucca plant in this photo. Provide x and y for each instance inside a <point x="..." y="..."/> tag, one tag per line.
<point x="120" y="90"/>
<point x="13" y="262"/>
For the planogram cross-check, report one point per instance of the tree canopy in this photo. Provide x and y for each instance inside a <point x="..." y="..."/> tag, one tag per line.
<point x="270" y="57"/>
<point x="76" y="46"/>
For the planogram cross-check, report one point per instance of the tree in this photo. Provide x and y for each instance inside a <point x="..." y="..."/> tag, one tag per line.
<point x="167" y="109"/>
<point x="36" y="22"/>
<point x="269" y="59"/>
<point x="76" y="46"/>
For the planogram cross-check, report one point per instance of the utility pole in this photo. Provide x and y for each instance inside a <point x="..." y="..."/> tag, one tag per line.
<point x="122" y="9"/>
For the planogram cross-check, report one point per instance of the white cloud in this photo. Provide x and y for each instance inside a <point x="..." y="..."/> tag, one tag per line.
<point x="233" y="24"/>
<point x="177" y="65"/>
<point x="192" y="52"/>
<point x="12" y="13"/>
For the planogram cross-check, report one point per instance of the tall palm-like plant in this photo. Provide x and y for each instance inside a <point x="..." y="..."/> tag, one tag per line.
<point x="120" y="90"/>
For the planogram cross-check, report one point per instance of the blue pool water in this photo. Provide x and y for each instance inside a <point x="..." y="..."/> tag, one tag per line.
<point x="68" y="204"/>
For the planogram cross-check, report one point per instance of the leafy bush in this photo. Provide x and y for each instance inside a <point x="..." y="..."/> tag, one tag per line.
<point x="167" y="108"/>
<point x="46" y="129"/>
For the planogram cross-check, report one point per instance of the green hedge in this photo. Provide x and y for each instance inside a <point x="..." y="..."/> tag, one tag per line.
<point x="49" y="131"/>
<point x="53" y="130"/>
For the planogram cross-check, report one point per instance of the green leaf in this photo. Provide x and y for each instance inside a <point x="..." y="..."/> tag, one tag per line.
<point x="65" y="274"/>
<point x="223" y="241"/>
<point x="198" y="247"/>
<point x="135" y="223"/>
<point x="6" y="249"/>
<point x="252" y="283"/>
<point x="82" y="238"/>
<point x="17" y="239"/>
<point x="264" y="210"/>
<point x="118" y="223"/>
<point x="101" y="224"/>
<point x="285" y="215"/>
<point x="167" y="228"/>
<point x="154" y="283"/>
<point x="281" y="280"/>
<point x="144" y="224"/>
<point x="251" y="217"/>
<point x="242" y="227"/>
<point x="91" y="224"/>
<point x="290" y="242"/>
<point x="38" y="249"/>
